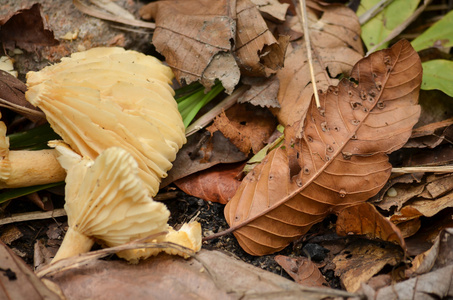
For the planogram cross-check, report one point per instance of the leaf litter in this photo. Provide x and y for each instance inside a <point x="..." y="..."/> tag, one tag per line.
<point x="435" y="214"/>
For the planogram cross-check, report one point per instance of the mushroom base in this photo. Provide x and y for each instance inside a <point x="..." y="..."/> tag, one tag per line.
<point x="74" y="243"/>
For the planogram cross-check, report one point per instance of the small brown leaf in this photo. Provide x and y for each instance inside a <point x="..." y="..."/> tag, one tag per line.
<point x="302" y="270"/>
<point x="26" y="29"/>
<point x="246" y="126"/>
<point x="216" y="184"/>
<point x="201" y="152"/>
<point x="364" y="219"/>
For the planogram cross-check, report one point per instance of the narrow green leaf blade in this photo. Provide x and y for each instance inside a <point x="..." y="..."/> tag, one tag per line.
<point x="9" y="194"/>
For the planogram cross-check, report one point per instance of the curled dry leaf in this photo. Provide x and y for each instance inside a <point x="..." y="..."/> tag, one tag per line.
<point x="26" y="29"/>
<point x="364" y="219"/>
<point x="335" y="39"/>
<point x="431" y="135"/>
<point x="302" y="270"/>
<point x="227" y="38"/>
<point x="338" y="160"/>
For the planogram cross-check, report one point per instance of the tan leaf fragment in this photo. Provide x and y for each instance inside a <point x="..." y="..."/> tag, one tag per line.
<point x="361" y="261"/>
<point x="338" y="160"/>
<point x="429" y="208"/>
<point x="431" y="135"/>
<point x="262" y="92"/>
<point x="272" y="9"/>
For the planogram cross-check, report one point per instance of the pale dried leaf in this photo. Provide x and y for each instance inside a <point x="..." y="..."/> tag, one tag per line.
<point x="361" y="261"/>
<point x="212" y="275"/>
<point x="227" y="38"/>
<point x="335" y="39"/>
<point x="272" y="9"/>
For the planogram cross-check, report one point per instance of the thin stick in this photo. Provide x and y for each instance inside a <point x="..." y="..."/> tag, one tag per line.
<point x="33" y="216"/>
<point x="304" y="21"/>
<point x="433" y="169"/>
<point x="372" y="12"/>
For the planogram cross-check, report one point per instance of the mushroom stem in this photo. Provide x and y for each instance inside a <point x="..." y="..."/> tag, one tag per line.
<point x="74" y="243"/>
<point x="28" y="168"/>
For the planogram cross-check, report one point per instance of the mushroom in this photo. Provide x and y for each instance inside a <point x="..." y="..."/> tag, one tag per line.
<point x="107" y="97"/>
<point x="23" y="168"/>
<point x="106" y="201"/>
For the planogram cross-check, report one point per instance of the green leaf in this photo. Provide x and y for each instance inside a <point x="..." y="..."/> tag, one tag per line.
<point x="189" y="105"/>
<point x="439" y="34"/>
<point x="33" y="139"/>
<point x="438" y="75"/>
<point x="8" y="194"/>
<point x="379" y="27"/>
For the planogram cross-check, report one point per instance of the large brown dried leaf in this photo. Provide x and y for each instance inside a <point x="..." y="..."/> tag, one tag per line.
<point x="340" y="158"/>
<point x="17" y="280"/>
<point x="207" y="40"/>
<point x="336" y="44"/>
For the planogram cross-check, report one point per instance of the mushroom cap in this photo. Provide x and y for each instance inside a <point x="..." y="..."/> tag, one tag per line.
<point x="107" y="97"/>
<point x="107" y="201"/>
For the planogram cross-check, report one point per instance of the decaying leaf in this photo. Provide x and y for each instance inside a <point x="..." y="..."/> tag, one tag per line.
<point x="216" y="184"/>
<point x="364" y="219"/>
<point x="247" y="127"/>
<point x="361" y="261"/>
<point x="335" y="38"/>
<point x="262" y="92"/>
<point x="26" y="29"/>
<point x="226" y="39"/>
<point x="338" y="160"/>
<point x="302" y="270"/>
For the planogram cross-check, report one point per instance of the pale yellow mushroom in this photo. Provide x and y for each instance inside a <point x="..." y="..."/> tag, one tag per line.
<point x="22" y="168"/>
<point x="106" y="201"/>
<point x="107" y="97"/>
